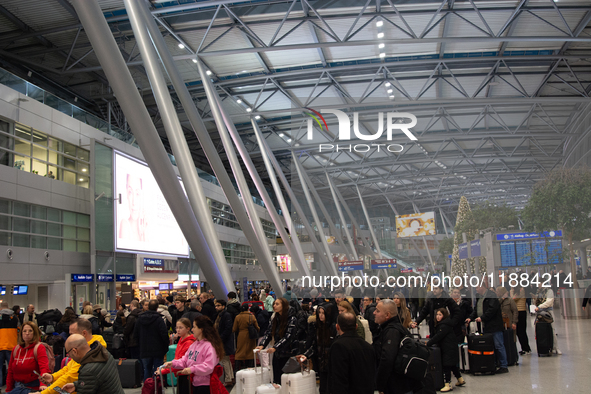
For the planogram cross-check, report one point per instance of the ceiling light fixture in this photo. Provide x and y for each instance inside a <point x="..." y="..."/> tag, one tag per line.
<point x="239" y="101"/>
<point x="194" y="60"/>
<point x="181" y="46"/>
<point x="380" y="23"/>
<point x="248" y="109"/>
<point x="289" y="140"/>
<point x="382" y="54"/>
<point x="257" y="117"/>
<point x="381" y="45"/>
<point x="380" y="35"/>
<point x="281" y="134"/>
<point x="388" y="84"/>
<point x="208" y="72"/>
<point x="391" y="96"/>
<point x="390" y="90"/>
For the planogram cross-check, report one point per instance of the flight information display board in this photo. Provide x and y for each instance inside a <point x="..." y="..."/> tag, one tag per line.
<point x="523" y="252"/>
<point x="508" y="256"/>
<point x="539" y="250"/>
<point x="555" y="251"/>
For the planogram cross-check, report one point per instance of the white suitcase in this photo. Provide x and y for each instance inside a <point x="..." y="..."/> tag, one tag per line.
<point x="269" y="388"/>
<point x="247" y="380"/>
<point x="464" y="357"/>
<point x="299" y="383"/>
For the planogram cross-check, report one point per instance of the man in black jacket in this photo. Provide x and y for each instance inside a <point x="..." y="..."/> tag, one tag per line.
<point x="465" y="312"/>
<point x="152" y="337"/>
<point x="223" y="324"/>
<point x="386" y="346"/>
<point x="233" y="305"/>
<point x="207" y="306"/>
<point x="129" y="331"/>
<point x="194" y="311"/>
<point x="488" y="312"/>
<point x="351" y="360"/>
<point x="438" y="299"/>
<point x="98" y="370"/>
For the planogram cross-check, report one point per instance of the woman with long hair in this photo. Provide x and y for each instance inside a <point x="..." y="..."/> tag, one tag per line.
<point x="202" y="356"/>
<point x="345" y="306"/>
<point x="28" y="357"/>
<point x="403" y="312"/>
<point x="283" y="331"/>
<point x="67" y="319"/>
<point x="186" y="339"/>
<point x="322" y="331"/>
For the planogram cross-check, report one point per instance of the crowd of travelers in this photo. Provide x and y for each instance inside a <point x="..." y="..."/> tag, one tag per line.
<point x="347" y="336"/>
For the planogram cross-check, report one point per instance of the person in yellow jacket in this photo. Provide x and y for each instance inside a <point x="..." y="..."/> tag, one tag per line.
<point x="69" y="373"/>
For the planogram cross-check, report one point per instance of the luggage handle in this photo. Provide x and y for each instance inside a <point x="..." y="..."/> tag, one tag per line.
<point x="254" y="357"/>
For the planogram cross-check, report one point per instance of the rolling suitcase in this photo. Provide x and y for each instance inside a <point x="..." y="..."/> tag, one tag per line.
<point x="481" y="349"/>
<point x="247" y="380"/>
<point x="130" y="373"/>
<point x="303" y="382"/>
<point x="544" y="339"/>
<point x="464" y="357"/>
<point x="170" y="357"/>
<point x="510" y="347"/>
<point x="435" y="366"/>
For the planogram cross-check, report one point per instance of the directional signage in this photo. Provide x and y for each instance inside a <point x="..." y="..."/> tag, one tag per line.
<point x="104" y="277"/>
<point x="420" y="270"/>
<point x="475" y="248"/>
<point x="125" y="278"/>
<point x="82" y="277"/>
<point x="383" y="264"/>
<point x="355" y="265"/>
<point x="463" y="250"/>
<point x="406" y="271"/>
<point x="507" y="237"/>
<point x="148" y="262"/>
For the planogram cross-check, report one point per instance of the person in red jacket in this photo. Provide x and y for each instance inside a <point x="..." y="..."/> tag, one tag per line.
<point x="186" y="339"/>
<point x="27" y="359"/>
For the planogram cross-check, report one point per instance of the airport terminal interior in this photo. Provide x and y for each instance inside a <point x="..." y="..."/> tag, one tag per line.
<point x="155" y="148"/>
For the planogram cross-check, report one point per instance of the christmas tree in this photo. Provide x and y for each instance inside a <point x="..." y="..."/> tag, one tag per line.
<point x="458" y="267"/>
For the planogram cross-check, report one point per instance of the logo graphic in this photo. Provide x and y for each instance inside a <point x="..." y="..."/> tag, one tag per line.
<point x="345" y="125"/>
<point x="393" y="122"/>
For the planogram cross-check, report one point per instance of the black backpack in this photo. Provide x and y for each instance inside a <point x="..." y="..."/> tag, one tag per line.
<point x="412" y="359"/>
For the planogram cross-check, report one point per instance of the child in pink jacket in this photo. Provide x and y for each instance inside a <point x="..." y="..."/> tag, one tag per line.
<point x="203" y="355"/>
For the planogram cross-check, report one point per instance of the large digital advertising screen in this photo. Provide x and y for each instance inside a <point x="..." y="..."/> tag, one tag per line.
<point x="143" y="219"/>
<point x="415" y="225"/>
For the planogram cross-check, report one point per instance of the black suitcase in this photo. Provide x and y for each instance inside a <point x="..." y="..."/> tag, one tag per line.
<point x="544" y="339"/>
<point x="435" y="367"/>
<point x="510" y="347"/>
<point x="481" y="349"/>
<point x="130" y="373"/>
<point x="108" y="334"/>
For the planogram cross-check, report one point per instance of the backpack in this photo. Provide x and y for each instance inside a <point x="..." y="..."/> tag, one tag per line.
<point x="50" y="355"/>
<point x="412" y="359"/>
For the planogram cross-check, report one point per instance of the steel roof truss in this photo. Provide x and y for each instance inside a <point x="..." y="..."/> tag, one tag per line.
<point x="348" y="35"/>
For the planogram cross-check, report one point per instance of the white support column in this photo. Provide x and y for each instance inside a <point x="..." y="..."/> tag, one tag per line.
<point x="113" y="64"/>
<point x="342" y="218"/>
<point x="251" y="226"/>
<point x="331" y="267"/>
<point x="174" y="132"/>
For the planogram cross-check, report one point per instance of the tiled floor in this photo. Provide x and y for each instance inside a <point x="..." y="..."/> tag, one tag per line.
<point x="570" y="372"/>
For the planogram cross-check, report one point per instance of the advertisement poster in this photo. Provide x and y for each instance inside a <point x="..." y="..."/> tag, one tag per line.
<point x="415" y="225"/>
<point x="144" y="221"/>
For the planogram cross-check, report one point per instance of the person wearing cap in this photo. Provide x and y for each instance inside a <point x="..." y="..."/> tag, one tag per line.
<point x="97" y="312"/>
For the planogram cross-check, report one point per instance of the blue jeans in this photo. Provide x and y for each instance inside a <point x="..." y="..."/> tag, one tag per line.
<point x="4" y="355"/>
<point x="151" y="365"/>
<point x="500" y="348"/>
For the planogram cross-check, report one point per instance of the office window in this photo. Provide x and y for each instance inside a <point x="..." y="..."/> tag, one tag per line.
<point x="34" y="151"/>
<point x="35" y="226"/>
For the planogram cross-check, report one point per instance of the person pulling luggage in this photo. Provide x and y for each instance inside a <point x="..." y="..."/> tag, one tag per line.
<point x="445" y="338"/>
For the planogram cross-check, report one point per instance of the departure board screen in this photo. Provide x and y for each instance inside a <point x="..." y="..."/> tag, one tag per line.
<point x="555" y="251"/>
<point x="508" y="257"/>
<point x="523" y="252"/>
<point x="539" y="250"/>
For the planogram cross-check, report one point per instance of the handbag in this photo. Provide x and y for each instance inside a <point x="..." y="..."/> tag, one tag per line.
<point x="118" y="341"/>
<point x="253" y="333"/>
<point x="292" y="366"/>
